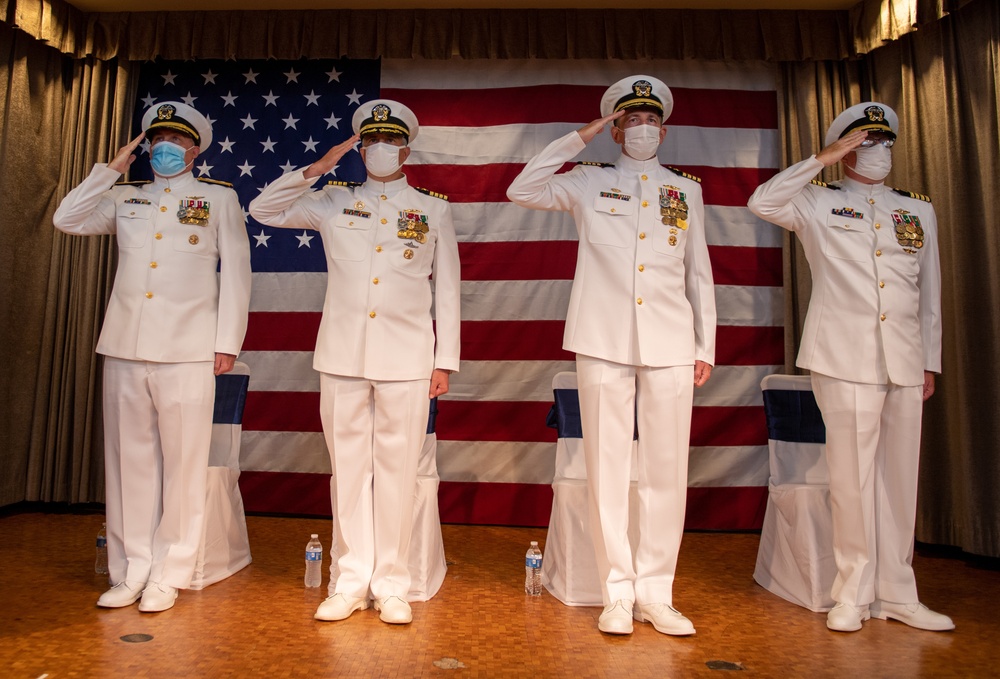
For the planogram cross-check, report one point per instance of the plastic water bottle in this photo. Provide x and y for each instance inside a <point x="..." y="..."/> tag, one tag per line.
<point x="314" y="562"/>
<point x="533" y="570"/>
<point x="101" y="563"/>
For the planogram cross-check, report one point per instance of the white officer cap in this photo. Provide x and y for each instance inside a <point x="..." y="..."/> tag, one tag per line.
<point x="868" y="115"/>
<point x="174" y="115"/>
<point x="638" y="90"/>
<point x="385" y="115"/>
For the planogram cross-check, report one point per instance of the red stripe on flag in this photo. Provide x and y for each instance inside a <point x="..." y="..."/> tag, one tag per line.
<point x="733" y="265"/>
<point x="727" y="186"/>
<point x="510" y="504"/>
<point x="282" y="330"/>
<point x="749" y="345"/>
<point x="494" y="421"/>
<point x="552" y="103"/>
<point x="728" y="426"/>
<point x="282" y="411"/>
<point x="514" y="341"/>
<point x="556" y="260"/>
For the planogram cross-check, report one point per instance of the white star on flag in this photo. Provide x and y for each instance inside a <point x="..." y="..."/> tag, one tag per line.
<point x="334" y="75"/>
<point x="270" y="99"/>
<point x="332" y="122"/>
<point x="189" y="100"/>
<point x="261" y="239"/>
<point x="246" y="168"/>
<point x="227" y="146"/>
<point x="310" y="145"/>
<point x="312" y="98"/>
<point x="209" y="77"/>
<point x="148" y="100"/>
<point x="248" y="122"/>
<point x="292" y="75"/>
<point x="230" y="99"/>
<point x="204" y="168"/>
<point x="168" y="79"/>
<point x="251" y="77"/>
<point x="268" y="145"/>
<point x="354" y="97"/>
<point x="287" y="167"/>
<point x="290" y="121"/>
<point x="304" y="239"/>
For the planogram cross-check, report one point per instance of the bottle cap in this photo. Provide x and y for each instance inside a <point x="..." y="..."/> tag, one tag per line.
<point x="534" y="543"/>
<point x="314" y="535"/>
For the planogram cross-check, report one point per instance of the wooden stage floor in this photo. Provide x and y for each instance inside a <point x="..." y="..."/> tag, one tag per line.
<point x="259" y="622"/>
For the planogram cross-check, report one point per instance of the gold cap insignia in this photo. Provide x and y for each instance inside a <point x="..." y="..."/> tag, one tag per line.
<point x="165" y="112"/>
<point x="381" y="113"/>
<point x="876" y="114"/>
<point x="642" y="88"/>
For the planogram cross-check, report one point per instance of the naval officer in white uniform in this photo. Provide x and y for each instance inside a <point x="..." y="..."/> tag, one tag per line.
<point x="872" y="340"/>
<point x="377" y="352"/>
<point x="173" y="323"/>
<point x="641" y="320"/>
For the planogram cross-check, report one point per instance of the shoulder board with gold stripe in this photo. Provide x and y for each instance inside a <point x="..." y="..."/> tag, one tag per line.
<point x="825" y="185"/>
<point x="684" y="174"/>
<point x="911" y="194"/>
<point x="214" y="181"/>
<point x="594" y="163"/>
<point x="350" y="185"/>
<point x="433" y="194"/>
<point x="139" y="182"/>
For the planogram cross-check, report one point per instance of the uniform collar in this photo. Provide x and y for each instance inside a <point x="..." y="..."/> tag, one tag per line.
<point x="630" y="164"/>
<point x="862" y="188"/>
<point x="385" y="188"/>
<point x="179" y="182"/>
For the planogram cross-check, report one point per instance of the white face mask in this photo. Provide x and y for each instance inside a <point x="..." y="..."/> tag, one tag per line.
<point x="382" y="160"/>
<point x="873" y="163"/>
<point x="642" y="141"/>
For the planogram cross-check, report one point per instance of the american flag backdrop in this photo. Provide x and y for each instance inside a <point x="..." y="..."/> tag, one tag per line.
<point x="480" y="121"/>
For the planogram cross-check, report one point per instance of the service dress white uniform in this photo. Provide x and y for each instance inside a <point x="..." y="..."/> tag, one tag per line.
<point x="872" y="329"/>
<point x="641" y="311"/>
<point x="375" y="353"/>
<point x="171" y="310"/>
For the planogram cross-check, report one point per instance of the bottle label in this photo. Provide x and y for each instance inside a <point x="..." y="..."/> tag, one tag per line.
<point x="102" y="542"/>
<point x="533" y="562"/>
<point x="314" y="556"/>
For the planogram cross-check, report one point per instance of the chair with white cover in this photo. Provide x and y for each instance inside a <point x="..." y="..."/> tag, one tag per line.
<point x="569" y="567"/>
<point x="225" y="547"/>
<point x="795" y="556"/>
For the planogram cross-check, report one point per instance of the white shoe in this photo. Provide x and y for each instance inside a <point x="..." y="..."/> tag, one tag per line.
<point x="915" y="615"/>
<point x="665" y="618"/>
<point x="393" y="610"/>
<point x="339" y="607"/>
<point x="125" y="593"/>
<point x="846" y="618"/>
<point x="616" y="618"/>
<point x="157" y="597"/>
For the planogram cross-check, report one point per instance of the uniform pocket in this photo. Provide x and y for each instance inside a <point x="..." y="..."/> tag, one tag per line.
<point x="611" y="222"/>
<point x="134" y="222"/>
<point x="350" y="236"/>
<point x="848" y="238"/>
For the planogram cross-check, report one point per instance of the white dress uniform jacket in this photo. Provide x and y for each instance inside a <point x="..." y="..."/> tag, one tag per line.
<point x="377" y="320"/>
<point x="170" y="303"/>
<point x="875" y="312"/>
<point x="638" y="289"/>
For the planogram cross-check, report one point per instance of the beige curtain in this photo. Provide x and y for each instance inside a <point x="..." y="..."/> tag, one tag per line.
<point x="942" y="81"/>
<point x="59" y="117"/>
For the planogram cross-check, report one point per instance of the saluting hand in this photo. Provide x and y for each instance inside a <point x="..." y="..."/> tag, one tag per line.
<point x="120" y="163"/>
<point x="330" y="159"/>
<point x="592" y="129"/>
<point x="836" y="151"/>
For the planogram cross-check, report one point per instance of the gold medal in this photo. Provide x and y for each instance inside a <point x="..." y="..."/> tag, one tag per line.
<point x="193" y="240"/>
<point x="407" y="254"/>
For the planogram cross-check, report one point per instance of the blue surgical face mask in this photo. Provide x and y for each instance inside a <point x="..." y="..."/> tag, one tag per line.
<point x="167" y="159"/>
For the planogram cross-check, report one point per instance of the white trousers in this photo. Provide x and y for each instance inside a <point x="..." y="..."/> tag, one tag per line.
<point x="873" y="451"/>
<point x="157" y="434"/>
<point x="609" y="396"/>
<point x="374" y="431"/>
